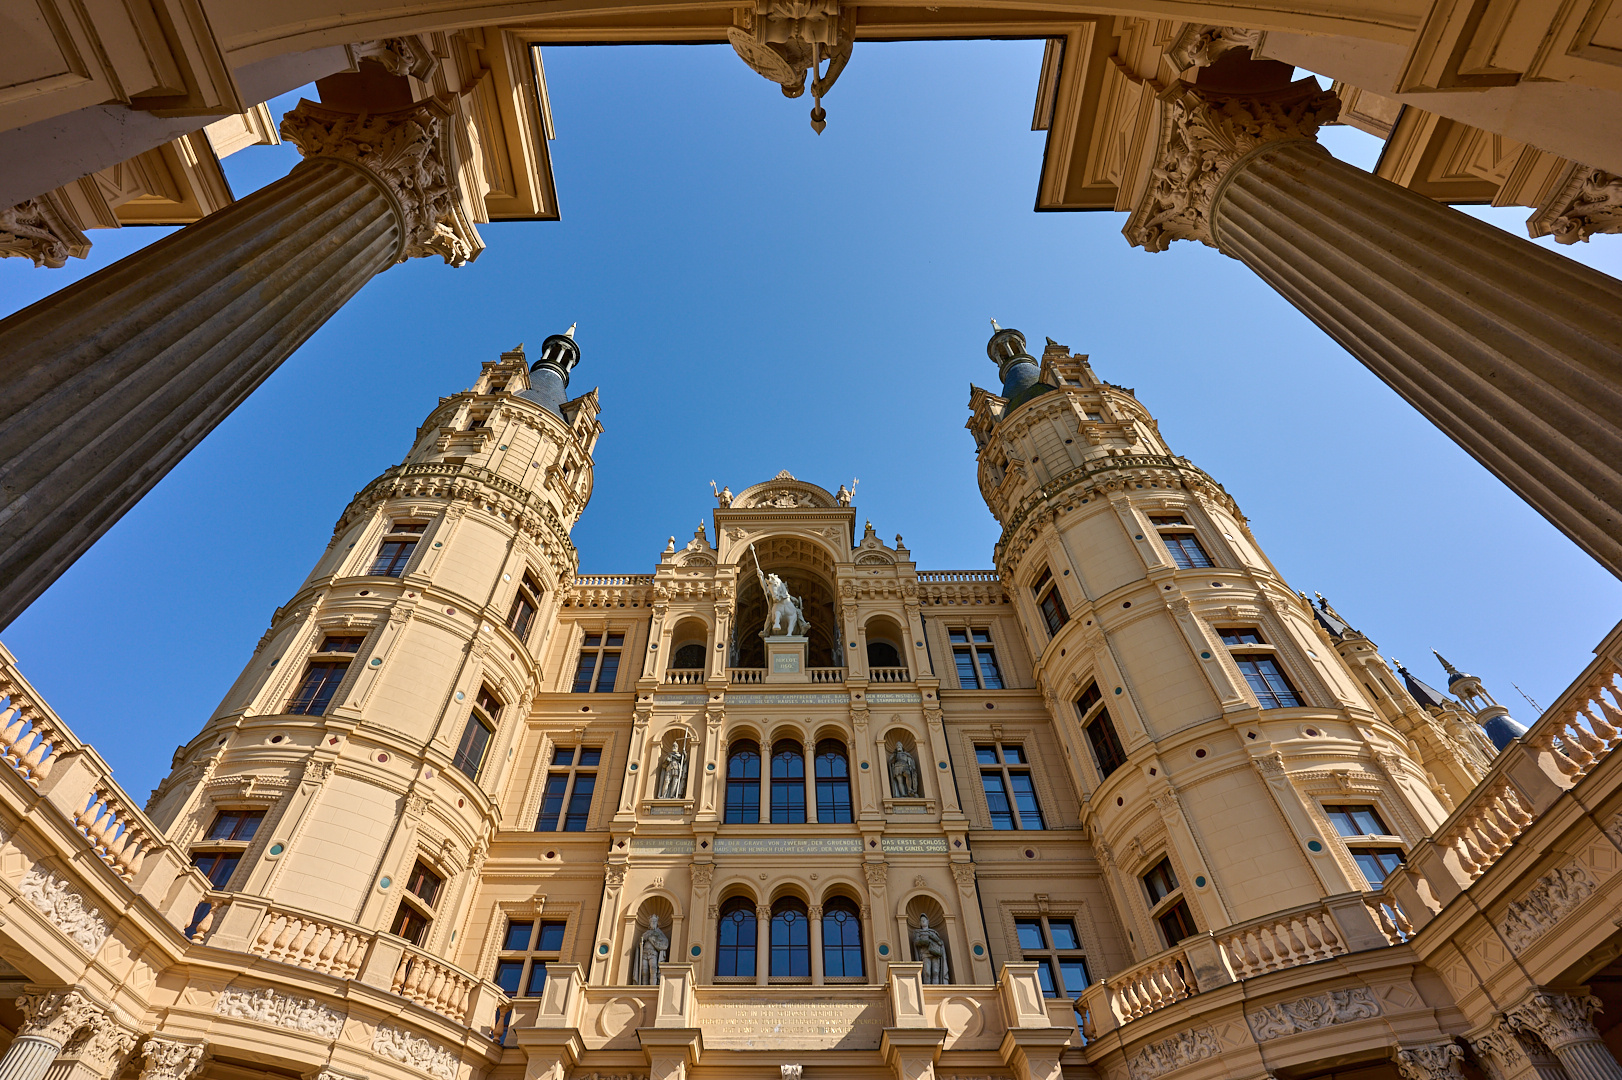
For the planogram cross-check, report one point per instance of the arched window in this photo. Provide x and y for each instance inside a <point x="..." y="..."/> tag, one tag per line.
<point x="882" y="654"/>
<point x="791" y="939"/>
<point x="841" y="939"/>
<point x="788" y="783"/>
<point x="833" y="782"/>
<point x="743" y="784"/>
<point x="688" y="657"/>
<point x="735" y="938"/>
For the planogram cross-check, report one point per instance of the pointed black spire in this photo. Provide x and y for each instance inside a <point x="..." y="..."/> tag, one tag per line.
<point x="549" y="376"/>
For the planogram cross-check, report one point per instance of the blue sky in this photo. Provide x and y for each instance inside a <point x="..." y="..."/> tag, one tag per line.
<point x="753" y="297"/>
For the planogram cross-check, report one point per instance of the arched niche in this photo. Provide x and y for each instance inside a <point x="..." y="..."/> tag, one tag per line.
<point x="925" y="907"/>
<point x="898" y="783"/>
<point x="886" y="643"/>
<point x="671" y="925"/>
<point x="689" y="645"/>
<point x="807" y="568"/>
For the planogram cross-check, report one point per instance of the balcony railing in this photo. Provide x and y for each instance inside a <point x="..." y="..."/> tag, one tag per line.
<point x="889" y="675"/>
<point x="747" y="676"/>
<point x="826" y="674"/>
<point x="684" y="676"/>
<point x="1287" y="939"/>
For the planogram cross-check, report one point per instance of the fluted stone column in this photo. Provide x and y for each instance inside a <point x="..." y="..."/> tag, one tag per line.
<point x="1513" y="351"/>
<point x="107" y="384"/>
<point x="51" y="1019"/>
<point x="1564" y="1023"/>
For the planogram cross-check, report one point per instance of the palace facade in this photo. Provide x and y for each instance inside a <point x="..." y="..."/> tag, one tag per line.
<point x="1124" y="806"/>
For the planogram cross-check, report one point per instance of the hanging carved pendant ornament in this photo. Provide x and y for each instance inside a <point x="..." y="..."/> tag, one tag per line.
<point x="784" y="40"/>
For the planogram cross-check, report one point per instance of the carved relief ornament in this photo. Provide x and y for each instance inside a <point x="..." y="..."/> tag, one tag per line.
<point x="1439" y="1061"/>
<point x="1184" y="1048"/>
<point x="170" y="1059"/>
<point x="416" y="1052"/>
<point x="1202" y="137"/>
<point x="1550" y="897"/>
<point x="65" y="908"/>
<point x="1556" y="1019"/>
<point x="411" y="155"/>
<point x="41" y="229"/>
<point x="281" y="1010"/>
<point x="58" y="1015"/>
<point x="1589" y="202"/>
<point x="1311" y="1013"/>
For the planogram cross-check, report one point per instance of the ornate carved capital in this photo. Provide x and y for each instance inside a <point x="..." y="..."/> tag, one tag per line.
<point x="170" y="1059"/>
<point x="59" y="1015"/>
<point x="1556" y="1019"/>
<point x="412" y="155"/>
<point x="1202" y="137"/>
<point x="1589" y="202"/>
<point x="104" y="1046"/>
<point x="41" y="229"/>
<point x="1439" y="1061"/>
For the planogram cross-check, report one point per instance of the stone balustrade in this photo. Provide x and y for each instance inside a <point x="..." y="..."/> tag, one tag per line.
<point x="684" y="676"/>
<point x="434" y="984"/>
<point x="747" y="676"/>
<point x="1153" y="984"/>
<point x="305" y="941"/>
<point x="826" y="674"/>
<point x="31" y="734"/>
<point x="1286" y="939"/>
<point x="1390" y="916"/>
<point x="119" y="834"/>
<point x="944" y="576"/>
<point x="889" y="675"/>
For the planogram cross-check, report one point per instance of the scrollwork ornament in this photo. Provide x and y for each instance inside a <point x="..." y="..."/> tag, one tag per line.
<point x="1557" y="1019"/>
<point x="170" y="1059"/>
<point x="1438" y="1061"/>
<point x="58" y="1015"/>
<point x="412" y="155"/>
<point x="1202" y="137"/>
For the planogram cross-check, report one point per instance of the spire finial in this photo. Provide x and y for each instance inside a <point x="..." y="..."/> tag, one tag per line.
<point x="569" y="333"/>
<point x="995" y="327"/>
<point x="1447" y="667"/>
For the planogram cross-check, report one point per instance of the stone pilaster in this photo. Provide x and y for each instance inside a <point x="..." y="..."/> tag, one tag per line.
<point x="1564" y="1023"/>
<point x="1507" y="347"/>
<point x="108" y="383"/>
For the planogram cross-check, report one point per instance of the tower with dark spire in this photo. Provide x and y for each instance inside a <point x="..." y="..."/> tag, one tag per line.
<point x="1494" y="718"/>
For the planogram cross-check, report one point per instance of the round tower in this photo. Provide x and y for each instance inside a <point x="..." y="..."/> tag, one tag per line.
<point x="348" y="776"/>
<point x="1493" y="717"/>
<point x="1231" y="766"/>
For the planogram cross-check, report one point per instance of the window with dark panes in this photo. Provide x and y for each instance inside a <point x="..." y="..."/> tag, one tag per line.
<point x="790" y="941"/>
<point x="1005" y="777"/>
<point x="1053" y="944"/>
<point x="841" y="940"/>
<point x="409" y="923"/>
<point x="217" y="866"/>
<point x="1108" y="754"/>
<point x="346" y="643"/>
<point x="975" y="659"/>
<point x="1166" y="904"/>
<point x="317" y="688"/>
<point x="424" y="884"/>
<point x="1262" y="671"/>
<point x="833" y="782"/>
<point x="397" y="548"/>
<point x="1050" y="602"/>
<point x="526" y="603"/>
<point x="525" y="952"/>
<point x="570" y="783"/>
<point x="236" y="825"/>
<point x="599" y="663"/>
<point x="743" y="784"/>
<point x="788" y="783"/>
<point x="1185" y="550"/>
<point x="1360" y="822"/>
<point x="735" y="939"/>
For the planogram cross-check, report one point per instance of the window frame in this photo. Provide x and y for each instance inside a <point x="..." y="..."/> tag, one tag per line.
<point x="789" y="785"/>
<point x="974" y="648"/>
<point x="799" y="911"/>
<point x="571" y="772"/>
<point x="532" y="956"/>
<point x="1045" y="589"/>
<point x="1260" y="650"/>
<point x="1005" y="771"/>
<point x="1174" y="525"/>
<point x="853" y="917"/>
<point x="528" y="594"/>
<point x="1052" y="956"/>
<point x="742" y="784"/>
<point x="1359" y="843"/>
<point x="405" y="533"/>
<point x="1171" y="904"/>
<point x="739" y="954"/>
<point x="1098" y="725"/>
<point x="303" y="703"/>
<point x="413" y="903"/>
<point x="833" y="783"/>
<point x="600" y="651"/>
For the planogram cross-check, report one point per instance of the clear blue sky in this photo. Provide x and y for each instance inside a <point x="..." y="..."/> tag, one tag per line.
<point x="753" y="297"/>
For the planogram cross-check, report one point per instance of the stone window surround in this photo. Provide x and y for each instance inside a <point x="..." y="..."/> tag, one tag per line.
<point x="795" y="731"/>
<point x="1076" y="911"/>
<point x="357" y="561"/>
<point x="1025" y="737"/>
<point x="420" y="853"/>
<point x="551" y="737"/>
<point x="1319" y="791"/>
<point x="536" y="908"/>
<point x="276" y="692"/>
<point x="1214" y="616"/>
<point x="995" y="646"/>
<point x="1200" y="523"/>
<point x="1155" y="845"/>
<point x="575" y="643"/>
<point x="739" y="885"/>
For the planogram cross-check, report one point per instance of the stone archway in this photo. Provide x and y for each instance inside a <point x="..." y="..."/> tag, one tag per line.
<point x="808" y="570"/>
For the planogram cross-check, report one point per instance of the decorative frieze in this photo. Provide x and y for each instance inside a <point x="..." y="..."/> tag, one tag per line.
<point x="1553" y="895"/>
<point x="1311" y="1013"/>
<point x="281" y="1010"/>
<point x="65" y="908"/>
<point x="1168" y="1055"/>
<point x="414" y="1051"/>
<point x="1202" y="137"/>
<point x="412" y="156"/>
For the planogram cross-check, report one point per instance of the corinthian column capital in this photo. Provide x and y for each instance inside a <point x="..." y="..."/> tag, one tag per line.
<point x="1557" y="1019"/>
<point x="167" y="1058"/>
<point x="1203" y="136"/>
<point x="59" y="1015"/>
<point x="1438" y="1061"/>
<point x="1588" y="202"/>
<point x="411" y="153"/>
<point x="41" y="229"/>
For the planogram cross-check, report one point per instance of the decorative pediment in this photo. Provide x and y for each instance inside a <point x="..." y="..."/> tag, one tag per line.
<point x="784" y="492"/>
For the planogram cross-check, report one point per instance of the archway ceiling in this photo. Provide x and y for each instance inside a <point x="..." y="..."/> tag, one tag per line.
<point x="808" y="570"/>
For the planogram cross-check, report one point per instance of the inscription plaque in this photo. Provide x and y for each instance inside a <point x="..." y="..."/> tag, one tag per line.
<point x="894" y="697"/>
<point x="851" y="845"/>
<point x="679" y="699"/>
<point x="659" y="845"/>
<point x="787" y="699"/>
<point x="798" y="1025"/>
<point x="785" y="663"/>
<point x="902" y="845"/>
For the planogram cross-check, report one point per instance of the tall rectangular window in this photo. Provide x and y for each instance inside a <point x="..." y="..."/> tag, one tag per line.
<point x="416" y="910"/>
<point x="481" y="724"/>
<point x="316" y="689"/>
<point x="599" y="663"/>
<point x="1360" y="823"/>
<point x="1054" y="946"/>
<point x="1166" y="904"/>
<point x="525" y="952"/>
<point x="570" y="783"/>
<point x="1050" y="602"/>
<point x="1005" y="776"/>
<point x="397" y="548"/>
<point x="1262" y="671"/>
<point x="222" y="847"/>
<point x="526" y="603"/>
<point x="1108" y="753"/>
<point x="975" y="659"/>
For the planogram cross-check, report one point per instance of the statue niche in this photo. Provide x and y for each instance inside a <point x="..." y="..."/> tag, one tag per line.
<point x="806" y="573"/>
<point x="671" y="782"/>
<point x="906" y="782"/>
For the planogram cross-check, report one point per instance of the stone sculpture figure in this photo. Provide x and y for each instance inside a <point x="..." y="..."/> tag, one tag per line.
<point x="781" y="608"/>
<point x="672" y="773"/>
<point x="651" y="951"/>
<point x="929" y="949"/>
<point x="904" y="779"/>
<point x="724" y="496"/>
